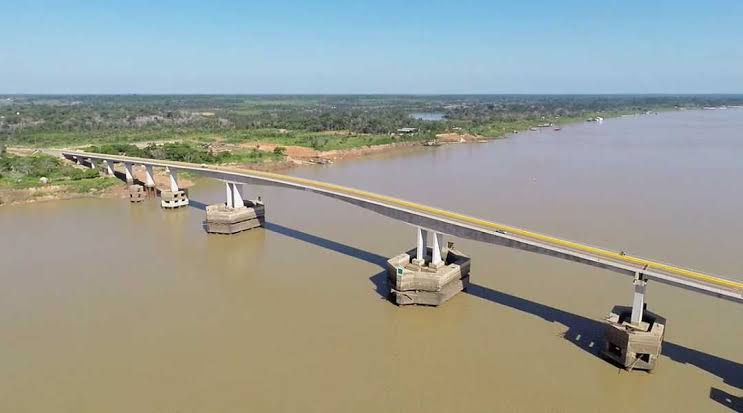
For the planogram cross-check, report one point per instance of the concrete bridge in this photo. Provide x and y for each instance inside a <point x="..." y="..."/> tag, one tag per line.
<point x="433" y="223"/>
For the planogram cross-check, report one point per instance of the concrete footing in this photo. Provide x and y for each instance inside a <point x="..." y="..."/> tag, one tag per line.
<point x="634" y="347"/>
<point x="170" y="199"/>
<point x="221" y="219"/>
<point x="136" y="193"/>
<point x="413" y="282"/>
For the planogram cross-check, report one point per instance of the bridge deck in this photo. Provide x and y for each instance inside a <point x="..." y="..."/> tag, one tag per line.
<point x="462" y="225"/>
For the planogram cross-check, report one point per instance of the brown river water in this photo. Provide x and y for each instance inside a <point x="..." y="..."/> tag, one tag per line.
<point x="112" y="307"/>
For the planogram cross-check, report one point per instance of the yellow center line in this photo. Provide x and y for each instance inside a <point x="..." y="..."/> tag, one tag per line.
<point x="470" y="220"/>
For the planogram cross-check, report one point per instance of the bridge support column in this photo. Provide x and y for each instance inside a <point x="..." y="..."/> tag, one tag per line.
<point x="638" y="302"/>
<point x="109" y="167"/>
<point x="128" y="172"/>
<point x="228" y="191"/>
<point x="149" y="181"/>
<point x="438" y="240"/>
<point x="237" y="198"/>
<point x="414" y="282"/>
<point x="173" y="177"/>
<point x="420" y="250"/>
<point x="175" y="197"/>
<point x="236" y="214"/>
<point x="633" y="336"/>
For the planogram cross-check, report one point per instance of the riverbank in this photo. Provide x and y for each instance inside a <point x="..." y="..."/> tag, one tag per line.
<point x="257" y="155"/>
<point x="267" y="156"/>
<point x="33" y="178"/>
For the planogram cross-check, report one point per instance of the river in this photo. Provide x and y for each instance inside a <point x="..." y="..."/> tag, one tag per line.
<point x="107" y="306"/>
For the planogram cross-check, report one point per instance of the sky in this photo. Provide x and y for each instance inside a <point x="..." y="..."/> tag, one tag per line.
<point x="380" y="46"/>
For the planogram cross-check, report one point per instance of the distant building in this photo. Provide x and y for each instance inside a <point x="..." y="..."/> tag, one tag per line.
<point x="407" y="130"/>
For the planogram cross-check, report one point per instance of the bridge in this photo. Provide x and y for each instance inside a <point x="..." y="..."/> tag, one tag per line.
<point x="437" y="222"/>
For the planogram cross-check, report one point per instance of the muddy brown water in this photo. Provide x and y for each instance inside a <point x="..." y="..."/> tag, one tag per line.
<point x="112" y="307"/>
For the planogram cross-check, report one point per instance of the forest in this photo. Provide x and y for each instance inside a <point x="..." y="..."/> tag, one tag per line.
<point x="320" y="122"/>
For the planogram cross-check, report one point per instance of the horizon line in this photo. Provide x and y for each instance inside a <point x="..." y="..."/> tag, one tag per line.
<point x="376" y="94"/>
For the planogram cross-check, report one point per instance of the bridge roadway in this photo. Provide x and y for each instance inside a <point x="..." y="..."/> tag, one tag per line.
<point x="458" y="225"/>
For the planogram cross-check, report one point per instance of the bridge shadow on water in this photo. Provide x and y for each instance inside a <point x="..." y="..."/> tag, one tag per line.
<point x="379" y="280"/>
<point x="586" y="334"/>
<point x="196" y="204"/>
<point x="583" y="332"/>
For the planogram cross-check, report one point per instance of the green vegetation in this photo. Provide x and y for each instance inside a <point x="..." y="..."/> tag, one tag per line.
<point x="319" y="122"/>
<point x="323" y="141"/>
<point x="185" y="152"/>
<point x="20" y="172"/>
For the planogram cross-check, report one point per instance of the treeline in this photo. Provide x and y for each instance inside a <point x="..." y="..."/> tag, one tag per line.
<point x="183" y="152"/>
<point x="44" y="119"/>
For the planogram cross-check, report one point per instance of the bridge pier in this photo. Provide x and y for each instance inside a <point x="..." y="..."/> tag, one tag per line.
<point x="633" y="336"/>
<point x="430" y="277"/>
<point x="175" y="197"/>
<point x="136" y="193"/>
<point x="236" y="214"/>
<point x="109" y="167"/>
<point x="149" y="182"/>
<point x="128" y="173"/>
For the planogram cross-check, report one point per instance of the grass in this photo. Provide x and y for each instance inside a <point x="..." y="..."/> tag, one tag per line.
<point x="252" y="156"/>
<point x="70" y="185"/>
<point x="88" y="185"/>
<point x="24" y="172"/>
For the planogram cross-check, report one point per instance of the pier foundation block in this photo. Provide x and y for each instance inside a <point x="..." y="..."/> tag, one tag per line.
<point x="412" y="282"/>
<point x="221" y="219"/>
<point x="634" y="347"/>
<point x="136" y="193"/>
<point x="173" y="199"/>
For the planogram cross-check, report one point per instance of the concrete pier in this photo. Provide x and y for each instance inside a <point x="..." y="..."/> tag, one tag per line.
<point x="109" y="167"/>
<point x="221" y="219"/>
<point x="175" y="197"/>
<point x="236" y="214"/>
<point x="633" y="346"/>
<point x="149" y="182"/>
<point x="128" y="172"/>
<point x="136" y="193"/>
<point x="170" y="199"/>
<point x="430" y="277"/>
<point x="633" y="335"/>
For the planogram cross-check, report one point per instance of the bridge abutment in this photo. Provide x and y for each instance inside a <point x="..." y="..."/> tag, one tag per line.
<point x="430" y="277"/>
<point x="236" y="214"/>
<point x="633" y="336"/>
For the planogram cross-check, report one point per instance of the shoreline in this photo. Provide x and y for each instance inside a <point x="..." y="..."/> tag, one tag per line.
<point x="295" y="157"/>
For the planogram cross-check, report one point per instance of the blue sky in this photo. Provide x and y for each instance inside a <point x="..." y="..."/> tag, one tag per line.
<point x="346" y="46"/>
